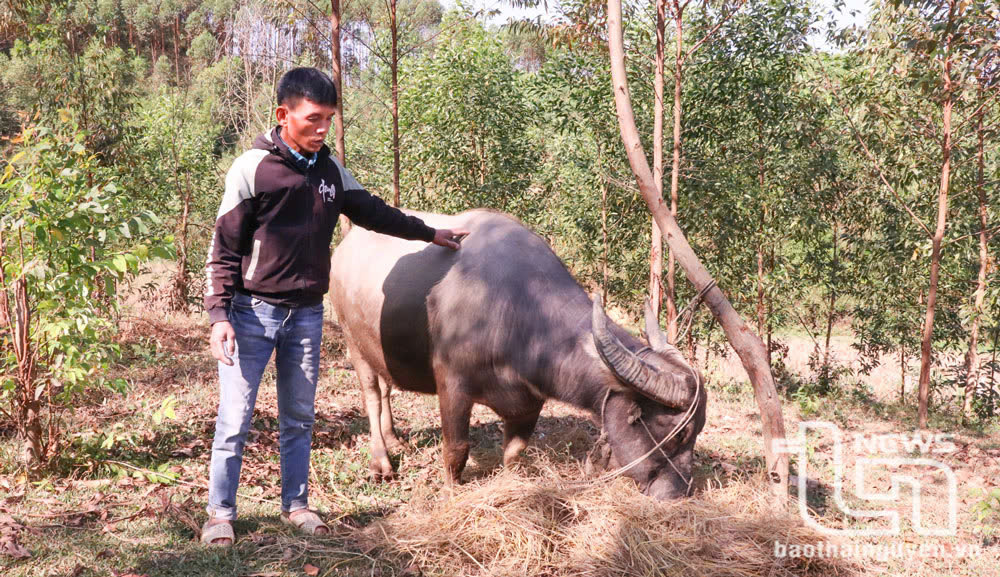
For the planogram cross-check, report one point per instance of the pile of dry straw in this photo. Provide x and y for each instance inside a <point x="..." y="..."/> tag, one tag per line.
<point x="544" y="521"/>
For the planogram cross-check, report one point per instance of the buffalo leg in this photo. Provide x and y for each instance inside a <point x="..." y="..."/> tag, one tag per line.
<point x="388" y="432"/>
<point x="516" y="433"/>
<point x="456" y="410"/>
<point x="380" y="466"/>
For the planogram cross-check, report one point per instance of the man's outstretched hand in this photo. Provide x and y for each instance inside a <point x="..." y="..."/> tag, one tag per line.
<point x="450" y="238"/>
<point x="223" y="342"/>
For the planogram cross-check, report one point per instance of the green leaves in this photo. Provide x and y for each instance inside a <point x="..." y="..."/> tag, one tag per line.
<point x="893" y="85"/>
<point x="166" y="410"/>
<point x="463" y="118"/>
<point x="64" y="237"/>
<point x="988" y="507"/>
<point x="120" y="264"/>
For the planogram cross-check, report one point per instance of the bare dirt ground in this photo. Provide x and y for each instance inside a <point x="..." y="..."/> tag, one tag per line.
<point x="129" y="497"/>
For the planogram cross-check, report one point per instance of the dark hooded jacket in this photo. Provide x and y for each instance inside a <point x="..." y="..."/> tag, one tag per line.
<point x="275" y="225"/>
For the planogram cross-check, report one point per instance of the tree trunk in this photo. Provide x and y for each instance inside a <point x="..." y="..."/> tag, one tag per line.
<point x="692" y="352"/>
<point x="604" y="228"/>
<point x="770" y="306"/>
<point x="178" y="296"/>
<point x="180" y="278"/>
<point x="33" y="450"/>
<point x="833" y="301"/>
<point x="770" y="332"/>
<point x="747" y="344"/>
<point x="760" y="289"/>
<point x="972" y="359"/>
<point x="248" y="89"/>
<point x="338" y="110"/>
<point x="761" y="311"/>
<point x="993" y="363"/>
<point x="395" y="101"/>
<point x="604" y="235"/>
<point x="656" y="239"/>
<point x="927" y="337"/>
<point x="675" y="168"/>
<point x="29" y="411"/>
<point x="708" y="343"/>
<point x="27" y="407"/>
<point x="902" y="374"/>
<point x="177" y="49"/>
<point x="482" y="164"/>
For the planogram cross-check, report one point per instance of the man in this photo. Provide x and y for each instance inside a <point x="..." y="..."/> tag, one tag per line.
<point x="268" y="269"/>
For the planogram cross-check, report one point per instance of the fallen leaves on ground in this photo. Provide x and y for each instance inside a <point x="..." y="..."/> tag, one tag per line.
<point x="9" y="531"/>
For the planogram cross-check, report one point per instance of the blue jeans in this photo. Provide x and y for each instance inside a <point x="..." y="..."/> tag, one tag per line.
<point x="294" y="336"/>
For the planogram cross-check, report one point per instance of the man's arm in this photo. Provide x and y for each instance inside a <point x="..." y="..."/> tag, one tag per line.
<point x="371" y="212"/>
<point x="230" y="241"/>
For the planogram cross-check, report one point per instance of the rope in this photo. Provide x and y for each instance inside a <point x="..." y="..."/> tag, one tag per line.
<point x="692" y="306"/>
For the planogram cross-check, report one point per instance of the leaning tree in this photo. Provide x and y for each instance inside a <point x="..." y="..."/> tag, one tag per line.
<point x="747" y="344"/>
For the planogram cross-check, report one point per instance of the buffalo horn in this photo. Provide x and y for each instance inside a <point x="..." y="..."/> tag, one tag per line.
<point x="657" y="340"/>
<point x="632" y="371"/>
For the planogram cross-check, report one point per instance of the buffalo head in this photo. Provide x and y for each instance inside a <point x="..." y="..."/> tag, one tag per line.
<point x="659" y="395"/>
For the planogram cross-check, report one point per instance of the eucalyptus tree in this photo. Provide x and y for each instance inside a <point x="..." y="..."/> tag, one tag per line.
<point x="337" y="75"/>
<point x="464" y="118"/>
<point x="582" y="150"/>
<point x="747" y="345"/>
<point x="406" y="24"/>
<point x="830" y="232"/>
<point x="925" y="58"/>
<point x="720" y="13"/>
<point x="55" y="70"/>
<point x="983" y="146"/>
<point x="64" y="238"/>
<point x="745" y="173"/>
<point x="987" y="80"/>
<point x="173" y="162"/>
<point x="588" y="207"/>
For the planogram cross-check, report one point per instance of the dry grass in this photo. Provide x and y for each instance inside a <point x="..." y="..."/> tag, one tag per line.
<point x="543" y="521"/>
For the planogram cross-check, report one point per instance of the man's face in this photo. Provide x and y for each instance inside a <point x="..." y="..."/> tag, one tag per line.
<point x="304" y="124"/>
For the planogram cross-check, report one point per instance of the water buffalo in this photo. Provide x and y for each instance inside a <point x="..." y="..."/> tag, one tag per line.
<point x="502" y="323"/>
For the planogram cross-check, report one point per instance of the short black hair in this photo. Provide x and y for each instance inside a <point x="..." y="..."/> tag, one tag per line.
<point x="310" y="83"/>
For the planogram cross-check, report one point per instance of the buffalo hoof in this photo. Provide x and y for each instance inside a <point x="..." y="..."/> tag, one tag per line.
<point x="394" y="445"/>
<point x="380" y="469"/>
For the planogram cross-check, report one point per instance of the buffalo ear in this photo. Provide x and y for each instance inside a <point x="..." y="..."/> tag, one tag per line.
<point x="657" y="340"/>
